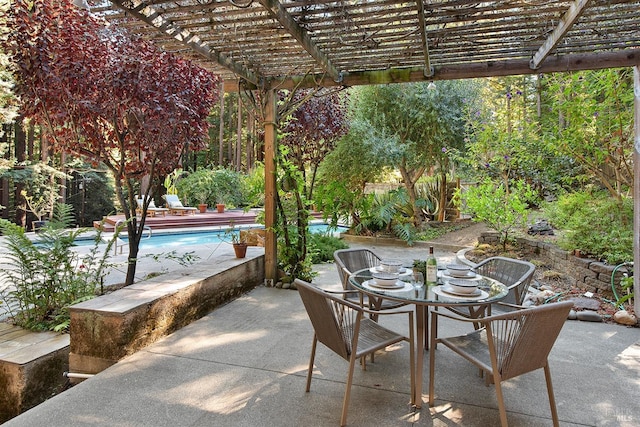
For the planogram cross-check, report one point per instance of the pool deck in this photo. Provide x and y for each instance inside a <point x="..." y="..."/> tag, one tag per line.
<point x="211" y="218"/>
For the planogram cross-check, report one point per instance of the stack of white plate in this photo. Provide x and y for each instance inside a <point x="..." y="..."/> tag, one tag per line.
<point x="384" y="279"/>
<point x="459" y="271"/>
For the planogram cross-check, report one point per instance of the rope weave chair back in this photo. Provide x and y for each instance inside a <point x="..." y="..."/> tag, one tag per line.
<point x="349" y="261"/>
<point x="523" y="339"/>
<point x="514" y="273"/>
<point x="334" y="319"/>
<point x="506" y="346"/>
<point x="342" y="327"/>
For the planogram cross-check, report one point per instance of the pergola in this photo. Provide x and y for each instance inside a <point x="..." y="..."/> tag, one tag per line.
<point x="279" y="44"/>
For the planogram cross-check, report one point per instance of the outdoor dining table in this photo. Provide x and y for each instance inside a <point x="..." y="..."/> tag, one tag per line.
<point x="490" y="291"/>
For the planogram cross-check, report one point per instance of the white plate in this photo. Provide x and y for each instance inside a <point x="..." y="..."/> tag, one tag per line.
<point x="445" y="291"/>
<point x="470" y="276"/>
<point x="401" y="270"/>
<point x="460" y="275"/>
<point x="399" y="286"/>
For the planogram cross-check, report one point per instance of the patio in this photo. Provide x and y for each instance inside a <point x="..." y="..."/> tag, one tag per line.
<point x="244" y="364"/>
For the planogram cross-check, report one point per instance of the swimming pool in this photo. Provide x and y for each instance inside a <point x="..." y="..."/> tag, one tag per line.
<point x="184" y="238"/>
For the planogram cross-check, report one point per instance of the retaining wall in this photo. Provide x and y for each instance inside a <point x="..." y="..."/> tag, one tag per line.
<point x="584" y="273"/>
<point x="108" y="328"/>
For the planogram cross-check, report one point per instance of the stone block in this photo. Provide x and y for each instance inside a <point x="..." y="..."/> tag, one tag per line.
<point x="32" y="365"/>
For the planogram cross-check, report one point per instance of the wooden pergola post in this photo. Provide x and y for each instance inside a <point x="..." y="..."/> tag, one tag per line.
<point x="270" y="147"/>
<point x="636" y="190"/>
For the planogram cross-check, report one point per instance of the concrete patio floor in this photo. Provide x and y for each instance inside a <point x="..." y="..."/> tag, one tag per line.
<point x="244" y="364"/>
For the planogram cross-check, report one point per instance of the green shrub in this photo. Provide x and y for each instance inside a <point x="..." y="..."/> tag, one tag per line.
<point x="595" y="223"/>
<point x="253" y="189"/>
<point x="197" y="187"/>
<point x="321" y="247"/>
<point x="210" y="186"/>
<point x="502" y="209"/>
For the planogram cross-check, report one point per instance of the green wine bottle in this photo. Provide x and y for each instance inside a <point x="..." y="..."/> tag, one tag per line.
<point x="432" y="269"/>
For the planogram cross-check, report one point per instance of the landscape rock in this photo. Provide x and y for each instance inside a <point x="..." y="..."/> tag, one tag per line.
<point x="589" y="316"/>
<point x="542" y="296"/>
<point x="585" y="303"/>
<point x="625" y="318"/>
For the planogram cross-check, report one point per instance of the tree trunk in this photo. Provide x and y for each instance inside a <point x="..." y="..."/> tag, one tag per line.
<point x="230" y="145"/>
<point x="238" y="163"/>
<point x="410" y="185"/>
<point x="221" y="130"/>
<point x="444" y="193"/>
<point x="249" y="149"/>
<point x="20" y="154"/>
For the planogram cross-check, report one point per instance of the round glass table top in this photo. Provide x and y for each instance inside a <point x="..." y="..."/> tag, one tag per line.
<point x="487" y="290"/>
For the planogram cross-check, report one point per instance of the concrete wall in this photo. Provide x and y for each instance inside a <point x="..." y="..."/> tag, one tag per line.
<point x="108" y="328"/>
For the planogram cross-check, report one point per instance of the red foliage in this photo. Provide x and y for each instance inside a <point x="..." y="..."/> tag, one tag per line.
<point x="315" y="127"/>
<point x="109" y="97"/>
<point x="105" y="95"/>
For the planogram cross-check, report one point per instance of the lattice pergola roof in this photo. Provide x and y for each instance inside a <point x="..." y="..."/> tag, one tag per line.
<point x="353" y="42"/>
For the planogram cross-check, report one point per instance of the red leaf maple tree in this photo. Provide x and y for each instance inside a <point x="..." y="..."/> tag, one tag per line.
<point x="110" y="97"/>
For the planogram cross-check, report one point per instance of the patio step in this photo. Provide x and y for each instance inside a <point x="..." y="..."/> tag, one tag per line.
<point x="31" y="368"/>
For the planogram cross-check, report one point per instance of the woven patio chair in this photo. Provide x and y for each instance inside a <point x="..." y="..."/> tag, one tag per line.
<point x="507" y="345"/>
<point x="348" y="261"/>
<point x="515" y="274"/>
<point x="343" y="328"/>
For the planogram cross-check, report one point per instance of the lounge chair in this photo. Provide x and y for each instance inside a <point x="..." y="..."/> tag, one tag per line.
<point x="176" y="207"/>
<point x="152" y="210"/>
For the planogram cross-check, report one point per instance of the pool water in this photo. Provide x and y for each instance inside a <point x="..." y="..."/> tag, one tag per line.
<point x="198" y="237"/>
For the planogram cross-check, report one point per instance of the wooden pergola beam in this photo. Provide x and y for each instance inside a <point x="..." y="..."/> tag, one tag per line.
<point x="565" y="24"/>
<point x="428" y="69"/>
<point x="150" y="16"/>
<point x="280" y="14"/>
<point x="554" y="64"/>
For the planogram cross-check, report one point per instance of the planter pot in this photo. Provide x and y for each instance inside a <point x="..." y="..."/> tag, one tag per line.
<point x="202" y="207"/>
<point x="220" y="207"/>
<point x="240" y="249"/>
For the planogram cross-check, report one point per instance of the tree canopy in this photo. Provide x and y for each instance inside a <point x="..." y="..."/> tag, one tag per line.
<point x="417" y="126"/>
<point x="107" y="96"/>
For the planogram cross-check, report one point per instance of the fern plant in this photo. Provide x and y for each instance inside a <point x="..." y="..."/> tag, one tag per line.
<point x="47" y="275"/>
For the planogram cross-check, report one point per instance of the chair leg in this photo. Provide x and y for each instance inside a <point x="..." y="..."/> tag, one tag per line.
<point x="552" y="399"/>
<point x="503" y="412"/>
<point x="347" y="393"/>
<point x="311" y="359"/>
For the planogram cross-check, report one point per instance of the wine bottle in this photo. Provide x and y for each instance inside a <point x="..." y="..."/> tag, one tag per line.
<point x="432" y="269"/>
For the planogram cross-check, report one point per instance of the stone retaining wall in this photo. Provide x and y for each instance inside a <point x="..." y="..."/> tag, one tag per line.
<point x="31" y="367"/>
<point x="585" y="273"/>
<point x="108" y="328"/>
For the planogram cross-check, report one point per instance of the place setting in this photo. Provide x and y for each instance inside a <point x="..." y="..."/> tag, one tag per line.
<point x="460" y="281"/>
<point x="386" y="276"/>
<point x="459" y="271"/>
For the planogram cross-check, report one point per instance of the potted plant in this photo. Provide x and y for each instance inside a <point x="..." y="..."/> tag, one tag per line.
<point x="202" y="196"/>
<point x="220" y="205"/>
<point x="238" y="240"/>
